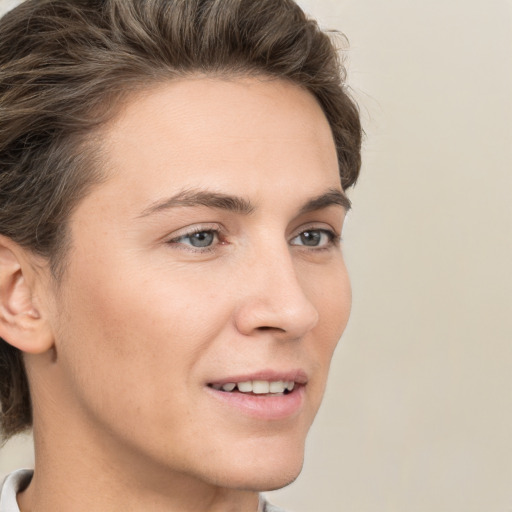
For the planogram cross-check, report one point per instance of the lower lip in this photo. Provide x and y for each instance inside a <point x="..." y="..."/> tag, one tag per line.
<point x="263" y="407"/>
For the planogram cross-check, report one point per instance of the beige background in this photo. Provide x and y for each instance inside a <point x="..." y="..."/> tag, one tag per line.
<point x="418" y="413"/>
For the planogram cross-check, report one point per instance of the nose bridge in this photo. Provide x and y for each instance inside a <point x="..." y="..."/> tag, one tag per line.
<point x="274" y="297"/>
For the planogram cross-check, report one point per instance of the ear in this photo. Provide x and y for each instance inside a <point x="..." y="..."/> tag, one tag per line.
<point x="23" y="324"/>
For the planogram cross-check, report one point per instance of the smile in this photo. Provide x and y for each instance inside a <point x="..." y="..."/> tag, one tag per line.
<point x="257" y="387"/>
<point x="265" y="395"/>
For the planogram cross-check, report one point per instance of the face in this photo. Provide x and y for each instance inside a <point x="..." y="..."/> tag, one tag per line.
<point x="206" y="289"/>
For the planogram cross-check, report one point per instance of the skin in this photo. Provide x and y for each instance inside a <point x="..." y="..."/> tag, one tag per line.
<point x="124" y="347"/>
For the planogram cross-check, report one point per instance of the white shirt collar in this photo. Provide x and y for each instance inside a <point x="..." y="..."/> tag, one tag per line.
<point x="14" y="482"/>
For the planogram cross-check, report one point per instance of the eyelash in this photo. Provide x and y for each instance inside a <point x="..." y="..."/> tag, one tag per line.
<point x="333" y="239"/>
<point x="195" y="231"/>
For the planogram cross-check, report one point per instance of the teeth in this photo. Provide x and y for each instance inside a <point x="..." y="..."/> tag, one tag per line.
<point x="245" y="387"/>
<point x="258" y="387"/>
<point x="277" y="387"/>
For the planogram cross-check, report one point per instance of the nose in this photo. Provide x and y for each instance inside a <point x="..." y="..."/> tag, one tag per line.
<point x="274" y="299"/>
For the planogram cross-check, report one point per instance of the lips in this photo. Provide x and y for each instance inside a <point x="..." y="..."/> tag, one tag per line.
<point x="268" y="395"/>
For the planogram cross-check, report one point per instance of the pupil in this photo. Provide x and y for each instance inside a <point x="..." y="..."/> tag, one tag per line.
<point x="202" y="239"/>
<point x="311" y="238"/>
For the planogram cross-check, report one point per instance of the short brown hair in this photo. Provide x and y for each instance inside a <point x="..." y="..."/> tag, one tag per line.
<point x="64" y="66"/>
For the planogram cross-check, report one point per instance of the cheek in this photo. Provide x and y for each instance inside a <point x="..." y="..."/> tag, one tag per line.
<point x="340" y="304"/>
<point x="332" y="297"/>
<point x="129" y="355"/>
<point x="331" y="293"/>
<point x="143" y="326"/>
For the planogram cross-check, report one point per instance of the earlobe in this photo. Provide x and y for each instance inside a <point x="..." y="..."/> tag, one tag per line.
<point x="22" y="323"/>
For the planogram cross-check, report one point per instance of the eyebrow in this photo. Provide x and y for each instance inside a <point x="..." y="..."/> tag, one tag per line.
<point x="330" y="198"/>
<point x="202" y="198"/>
<point x="209" y="199"/>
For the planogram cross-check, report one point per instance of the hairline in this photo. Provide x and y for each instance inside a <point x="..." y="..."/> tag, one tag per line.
<point x="91" y="144"/>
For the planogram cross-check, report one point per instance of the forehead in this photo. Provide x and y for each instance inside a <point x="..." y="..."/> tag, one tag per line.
<point x="240" y="136"/>
<point x="214" y="102"/>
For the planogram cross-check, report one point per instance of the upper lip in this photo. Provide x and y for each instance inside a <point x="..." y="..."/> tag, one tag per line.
<point x="298" y="376"/>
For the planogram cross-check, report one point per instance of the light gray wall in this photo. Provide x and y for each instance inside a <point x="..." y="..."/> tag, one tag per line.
<point x="418" y="413"/>
<point x="7" y="5"/>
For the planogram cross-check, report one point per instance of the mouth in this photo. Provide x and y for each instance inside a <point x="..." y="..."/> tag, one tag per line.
<point x="265" y="396"/>
<point x="257" y="387"/>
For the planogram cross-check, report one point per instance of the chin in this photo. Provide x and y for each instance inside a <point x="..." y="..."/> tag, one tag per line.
<point x="263" y="480"/>
<point x="274" y="482"/>
<point x="260" y="470"/>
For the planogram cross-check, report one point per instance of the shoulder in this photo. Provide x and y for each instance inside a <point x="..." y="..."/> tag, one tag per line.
<point x="12" y="484"/>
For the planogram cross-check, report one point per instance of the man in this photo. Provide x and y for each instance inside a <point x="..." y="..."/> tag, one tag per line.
<point x="172" y="287"/>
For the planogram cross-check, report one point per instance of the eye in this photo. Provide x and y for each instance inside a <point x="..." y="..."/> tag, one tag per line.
<point x="202" y="239"/>
<point x="318" y="238"/>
